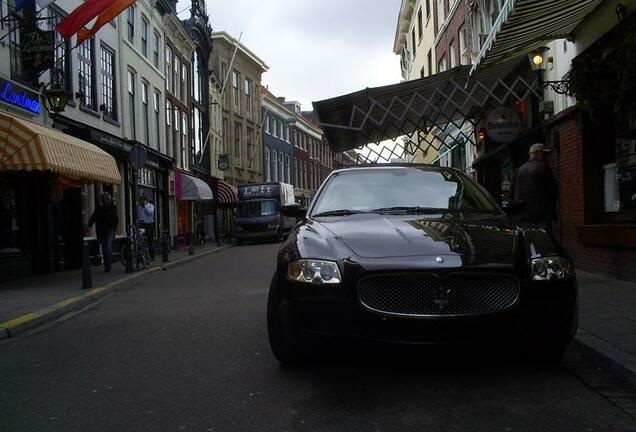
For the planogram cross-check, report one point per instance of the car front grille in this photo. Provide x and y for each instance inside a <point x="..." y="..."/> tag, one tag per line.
<point x="427" y="294"/>
<point x="254" y="227"/>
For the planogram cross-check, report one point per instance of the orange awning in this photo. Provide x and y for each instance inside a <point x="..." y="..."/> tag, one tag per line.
<point x="28" y="146"/>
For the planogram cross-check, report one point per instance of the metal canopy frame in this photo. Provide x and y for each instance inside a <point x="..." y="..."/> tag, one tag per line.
<point x="435" y="112"/>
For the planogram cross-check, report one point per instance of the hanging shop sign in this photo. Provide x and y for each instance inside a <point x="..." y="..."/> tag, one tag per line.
<point x="38" y="50"/>
<point x="18" y="96"/>
<point x="224" y="162"/>
<point x="503" y="125"/>
<point x="138" y="157"/>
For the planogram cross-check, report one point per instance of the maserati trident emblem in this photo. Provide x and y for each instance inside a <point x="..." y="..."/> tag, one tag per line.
<point x="440" y="296"/>
<point x="439" y="260"/>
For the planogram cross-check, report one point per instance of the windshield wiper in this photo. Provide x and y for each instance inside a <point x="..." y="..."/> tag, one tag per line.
<point x="341" y="212"/>
<point x="411" y="210"/>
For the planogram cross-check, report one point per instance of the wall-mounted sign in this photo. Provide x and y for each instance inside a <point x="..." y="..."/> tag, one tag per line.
<point x="18" y="96"/>
<point x="224" y="162"/>
<point x="38" y="50"/>
<point x="111" y="140"/>
<point x="503" y="125"/>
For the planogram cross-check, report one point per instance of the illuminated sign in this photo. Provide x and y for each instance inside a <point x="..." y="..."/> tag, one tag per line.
<point x="503" y="125"/>
<point x="21" y="97"/>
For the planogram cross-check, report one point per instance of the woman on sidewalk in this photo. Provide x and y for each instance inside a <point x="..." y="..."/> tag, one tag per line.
<point x="106" y="220"/>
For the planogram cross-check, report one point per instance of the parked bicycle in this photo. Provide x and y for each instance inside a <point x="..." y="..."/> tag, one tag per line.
<point x="137" y="248"/>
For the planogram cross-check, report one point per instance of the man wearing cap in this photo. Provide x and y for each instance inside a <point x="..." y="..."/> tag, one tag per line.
<point x="535" y="185"/>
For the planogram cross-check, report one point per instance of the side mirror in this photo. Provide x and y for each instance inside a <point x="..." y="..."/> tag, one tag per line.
<point x="293" y="211"/>
<point x="513" y="208"/>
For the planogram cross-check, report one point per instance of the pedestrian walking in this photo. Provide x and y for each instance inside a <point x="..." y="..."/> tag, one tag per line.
<point x="146" y="220"/>
<point x="106" y="220"/>
<point x="535" y="185"/>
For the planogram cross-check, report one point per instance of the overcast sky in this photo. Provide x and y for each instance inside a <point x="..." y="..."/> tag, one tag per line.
<point x="315" y="49"/>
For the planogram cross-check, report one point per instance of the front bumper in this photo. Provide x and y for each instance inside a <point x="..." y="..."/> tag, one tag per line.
<point x="547" y="313"/>
<point x="256" y="235"/>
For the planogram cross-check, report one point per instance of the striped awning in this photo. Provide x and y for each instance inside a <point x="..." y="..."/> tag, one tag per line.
<point x="227" y="195"/>
<point x="524" y="25"/>
<point x="28" y="146"/>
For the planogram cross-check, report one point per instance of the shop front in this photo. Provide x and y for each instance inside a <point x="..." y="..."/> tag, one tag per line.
<point x="191" y="194"/>
<point x="153" y="184"/>
<point x="43" y="176"/>
<point x="596" y="156"/>
<point x="224" y="206"/>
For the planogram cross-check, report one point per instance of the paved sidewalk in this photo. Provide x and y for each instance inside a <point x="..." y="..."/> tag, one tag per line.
<point x="607" y="321"/>
<point x="28" y="295"/>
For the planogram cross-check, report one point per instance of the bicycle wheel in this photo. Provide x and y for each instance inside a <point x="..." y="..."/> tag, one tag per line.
<point x="143" y="253"/>
<point x="124" y="254"/>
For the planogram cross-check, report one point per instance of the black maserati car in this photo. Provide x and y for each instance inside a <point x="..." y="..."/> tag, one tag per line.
<point x="417" y="254"/>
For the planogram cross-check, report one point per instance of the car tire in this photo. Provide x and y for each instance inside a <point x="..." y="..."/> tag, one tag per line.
<point x="282" y="339"/>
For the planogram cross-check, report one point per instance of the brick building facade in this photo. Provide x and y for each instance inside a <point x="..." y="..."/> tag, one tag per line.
<point x="596" y="243"/>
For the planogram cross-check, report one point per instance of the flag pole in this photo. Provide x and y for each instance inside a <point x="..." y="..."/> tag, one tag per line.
<point x="227" y="76"/>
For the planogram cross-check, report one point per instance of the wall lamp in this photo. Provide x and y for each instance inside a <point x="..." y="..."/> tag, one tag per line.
<point x="538" y="61"/>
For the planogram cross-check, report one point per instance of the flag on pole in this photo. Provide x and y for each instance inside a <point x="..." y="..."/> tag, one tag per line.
<point x="80" y="16"/>
<point x="106" y="16"/>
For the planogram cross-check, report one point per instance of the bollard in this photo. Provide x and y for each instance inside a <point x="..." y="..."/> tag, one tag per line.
<point x="165" y="246"/>
<point x="190" y="244"/>
<point x="87" y="277"/>
<point x="129" y="257"/>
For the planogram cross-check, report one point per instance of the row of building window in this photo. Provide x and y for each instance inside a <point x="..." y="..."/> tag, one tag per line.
<point x="275" y="127"/>
<point x="277" y="167"/>
<point x="148" y="132"/>
<point x="316" y="148"/>
<point x="248" y="85"/>
<point x="131" y="15"/>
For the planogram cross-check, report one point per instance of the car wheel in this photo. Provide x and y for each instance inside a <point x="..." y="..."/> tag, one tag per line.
<point x="282" y="337"/>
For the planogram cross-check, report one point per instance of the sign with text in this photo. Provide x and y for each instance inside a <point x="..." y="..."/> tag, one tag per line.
<point x="38" y="50"/>
<point x="18" y="96"/>
<point x="503" y="125"/>
<point x="224" y="162"/>
<point x="246" y="192"/>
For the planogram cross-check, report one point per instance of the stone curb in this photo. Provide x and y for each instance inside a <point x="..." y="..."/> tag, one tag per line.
<point x="28" y="321"/>
<point x="622" y="364"/>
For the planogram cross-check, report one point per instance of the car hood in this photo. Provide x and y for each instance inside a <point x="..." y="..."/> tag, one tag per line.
<point x="475" y="240"/>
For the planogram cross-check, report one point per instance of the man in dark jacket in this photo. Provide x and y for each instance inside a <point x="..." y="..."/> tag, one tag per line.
<point x="535" y="185"/>
<point x="106" y="220"/>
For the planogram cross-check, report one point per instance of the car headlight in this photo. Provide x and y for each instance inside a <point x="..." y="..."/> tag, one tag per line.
<point x="551" y="268"/>
<point x="314" y="271"/>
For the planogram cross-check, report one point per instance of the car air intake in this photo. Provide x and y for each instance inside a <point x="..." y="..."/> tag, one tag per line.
<point x="427" y="294"/>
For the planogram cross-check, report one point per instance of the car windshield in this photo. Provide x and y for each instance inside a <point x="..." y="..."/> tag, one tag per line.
<point x="257" y="208"/>
<point x="411" y="190"/>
